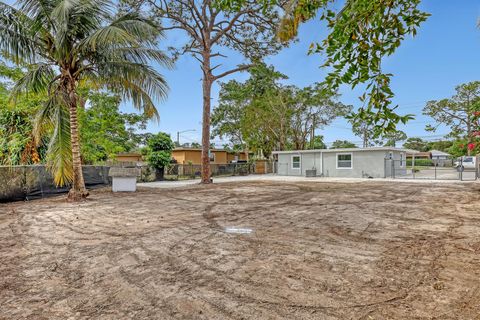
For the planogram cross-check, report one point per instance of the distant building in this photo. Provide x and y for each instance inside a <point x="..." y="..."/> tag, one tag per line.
<point x="442" y="159"/>
<point x="217" y="156"/>
<point x="440" y="155"/>
<point x="420" y="155"/>
<point x="129" y="157"/>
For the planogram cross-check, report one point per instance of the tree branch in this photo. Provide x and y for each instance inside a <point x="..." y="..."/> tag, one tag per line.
<point x="237" y="69"/>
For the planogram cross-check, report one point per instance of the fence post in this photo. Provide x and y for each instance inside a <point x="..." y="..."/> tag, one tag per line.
<point x="435" y="164"/>
<point x="384" y="167"/>
<point x="393" y="168"/>
<point x="461" y="170"/>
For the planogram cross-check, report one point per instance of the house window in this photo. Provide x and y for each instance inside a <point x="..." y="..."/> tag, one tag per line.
<point x="344" y="161"/>
<point x="295" y="162"/>
<point x="401" y="159"/>
<point x="211" y="155"/>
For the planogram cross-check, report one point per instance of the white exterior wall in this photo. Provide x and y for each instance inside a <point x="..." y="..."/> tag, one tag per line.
<point x="365" y="164"/>
<point x="284" y="165"/>
<point x="307" y="161"/>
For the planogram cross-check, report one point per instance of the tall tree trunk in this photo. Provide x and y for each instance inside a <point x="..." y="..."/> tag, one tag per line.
<point x="207" y="89"/>
<point x="78" y="190"/>
<point x="469" y="136"/>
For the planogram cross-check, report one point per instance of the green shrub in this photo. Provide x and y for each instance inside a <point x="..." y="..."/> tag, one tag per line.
<point x="421" y="163"/>
<point x="159" y="150"/>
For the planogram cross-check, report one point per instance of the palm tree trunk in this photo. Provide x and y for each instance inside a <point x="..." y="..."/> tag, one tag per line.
<point x="207" y="89"/>
<point x="78" y="190"/>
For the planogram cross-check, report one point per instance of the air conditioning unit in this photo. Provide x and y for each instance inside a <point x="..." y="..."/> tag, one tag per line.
<point x="310" y="173"/>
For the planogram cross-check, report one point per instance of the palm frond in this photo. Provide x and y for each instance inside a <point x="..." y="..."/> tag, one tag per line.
<point x="140" y="55"/>
<point x="38" y="10"/>
<point x="59" y="159"/>
<point x="53" y="118"/>
<point x="108" y="36"/>
<point x="18" y="40"/>
<point x="140" y="28"/>
<point x="37" y="80"/>
<point x="137" y="82"/>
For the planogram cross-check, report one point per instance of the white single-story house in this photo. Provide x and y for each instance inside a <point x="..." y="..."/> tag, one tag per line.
<point x="376" y="162"/>
<point x="442" y="159"/>
<point x="440" y="155"/>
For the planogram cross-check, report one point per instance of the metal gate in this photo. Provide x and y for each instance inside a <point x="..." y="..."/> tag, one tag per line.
<point x="464" y="169"/>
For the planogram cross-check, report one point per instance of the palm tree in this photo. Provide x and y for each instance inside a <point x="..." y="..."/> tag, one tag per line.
<point x="65" y="44"/>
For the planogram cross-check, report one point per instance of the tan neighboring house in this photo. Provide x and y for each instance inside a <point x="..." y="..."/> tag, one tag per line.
<point x="420" y="155"/>
<point x="129" y="157"/>
<point x="217" y="156"/>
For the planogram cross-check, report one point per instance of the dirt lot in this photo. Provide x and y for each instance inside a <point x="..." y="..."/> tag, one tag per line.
<point x="367" y="250"/>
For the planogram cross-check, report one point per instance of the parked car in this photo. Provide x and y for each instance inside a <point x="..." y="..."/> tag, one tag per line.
<point x="466" y="162"/>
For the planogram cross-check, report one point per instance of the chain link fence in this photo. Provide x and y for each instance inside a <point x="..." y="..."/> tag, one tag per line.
<point x="464" y="169"/>
<point x="193" y="171"/>
<point x="20" y="183"/>
<point x="35" y="182"/>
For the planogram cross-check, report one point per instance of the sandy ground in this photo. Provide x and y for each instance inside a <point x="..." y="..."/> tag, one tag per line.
<point x="317" y="250"/>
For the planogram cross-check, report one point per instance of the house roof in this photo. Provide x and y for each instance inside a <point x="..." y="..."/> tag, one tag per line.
<point x="419" y="154"/>
<point x="129" y="154"/>
<point x="438" y="153"/>
<point x="199" y="149"/>
<point x="347" y="150"/>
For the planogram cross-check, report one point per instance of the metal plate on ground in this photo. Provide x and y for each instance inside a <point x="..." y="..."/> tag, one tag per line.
<point x="236" y="230"/>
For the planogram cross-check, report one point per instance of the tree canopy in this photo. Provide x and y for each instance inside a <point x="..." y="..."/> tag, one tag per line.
<point x="64" y="45"/>
<point x="339" y="144"/>
<point x="360" y="34"/>
<point x="214" y="30"/>
<point x="105" y="131"/>
<point x="457" y="112"/>
<point x="264" y="115"/>
<point x="17" y="145"/>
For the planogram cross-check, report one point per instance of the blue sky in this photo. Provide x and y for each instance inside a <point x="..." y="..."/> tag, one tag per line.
<point x="445" y="53"/>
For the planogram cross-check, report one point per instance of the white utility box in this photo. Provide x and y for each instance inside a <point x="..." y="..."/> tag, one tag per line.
<point x="124" y="179"/>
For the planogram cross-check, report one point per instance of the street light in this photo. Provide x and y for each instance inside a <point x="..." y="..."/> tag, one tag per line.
<point x="178" y="135"/>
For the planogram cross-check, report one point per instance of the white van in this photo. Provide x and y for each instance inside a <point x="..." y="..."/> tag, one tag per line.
<point x="466" y="162"/>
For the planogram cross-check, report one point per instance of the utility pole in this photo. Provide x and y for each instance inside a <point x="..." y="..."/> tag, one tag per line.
<point x="312" y="133"/>
<point x="178" y="135"/>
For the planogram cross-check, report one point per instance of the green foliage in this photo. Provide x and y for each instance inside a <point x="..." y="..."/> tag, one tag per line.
<point x="415" y="143"/>
<point x="459" y="148"/>
<point x="65" y="45"/>
<point x="364" y="130"/>
<point x="318" y="143"/>
<point x="360" y="35"/>
<point x="419" y="144"/>
<point x="420" y="163"/>
<point x="17" y="145"/>
<point x="340" y="144"/>
<point x="443" y="145"/>
<point x="159" y="148"/>
<point x="263" y="114"/>
<point x="105" y="131"/>
<point x="456" y="112"/>
<point x="195" y="145"/>
<point x="392" y="138"/>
